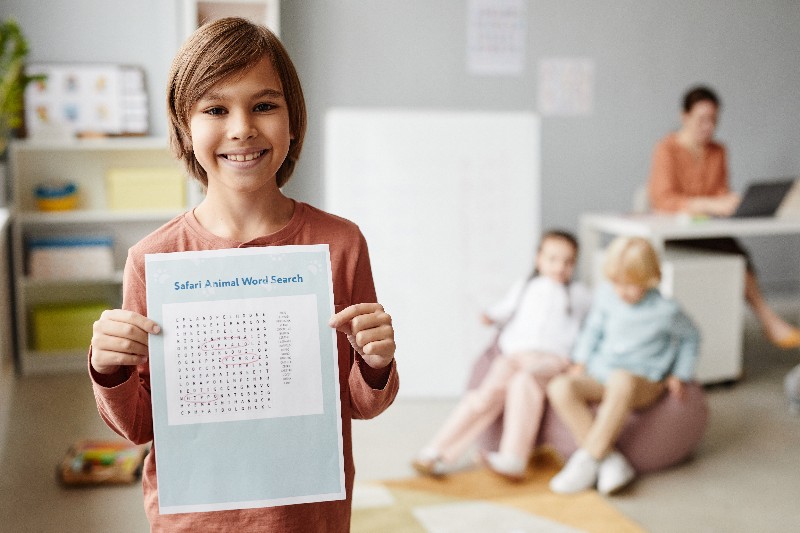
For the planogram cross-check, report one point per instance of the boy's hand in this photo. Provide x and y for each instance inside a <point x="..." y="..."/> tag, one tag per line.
<point x="119" y="338"/>
<point x="676" y="387"/>
<point x="369" y="329"/>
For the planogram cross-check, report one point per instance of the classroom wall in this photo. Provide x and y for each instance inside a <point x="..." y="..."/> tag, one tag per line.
<point x="411" y="55"/>
<point x="141" y="33"/>
<point x="646" y="53"/>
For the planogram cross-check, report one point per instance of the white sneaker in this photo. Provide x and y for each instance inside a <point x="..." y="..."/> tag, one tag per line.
<point x="507" y="466"/>
<point x="580" y="473"/>
<point x="615" y="472"/>
<point x="429" y="463"/>
<point x="434" y="468"/>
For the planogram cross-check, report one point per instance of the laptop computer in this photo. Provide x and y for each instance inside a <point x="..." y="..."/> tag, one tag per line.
<point x="763" y="198"/>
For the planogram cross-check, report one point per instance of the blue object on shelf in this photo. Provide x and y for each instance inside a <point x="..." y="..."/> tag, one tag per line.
<point x="72" y="241"/>
<point x="56" y="197"/>
<point x="56" y="190"/>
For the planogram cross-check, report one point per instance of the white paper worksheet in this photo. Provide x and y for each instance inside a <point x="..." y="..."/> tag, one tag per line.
<point x="244" y="378"/>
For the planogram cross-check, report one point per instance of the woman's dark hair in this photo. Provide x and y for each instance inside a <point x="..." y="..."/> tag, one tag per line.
<point x="697" y="94"/>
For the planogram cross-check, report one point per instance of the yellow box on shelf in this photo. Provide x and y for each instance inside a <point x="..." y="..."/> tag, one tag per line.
<point x="64" y="326"/>
<point x="145" y="188"/>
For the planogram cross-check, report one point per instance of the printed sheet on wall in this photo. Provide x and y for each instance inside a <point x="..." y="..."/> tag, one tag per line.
<point x="449" y="204"/>
<point x="244" y="378"/>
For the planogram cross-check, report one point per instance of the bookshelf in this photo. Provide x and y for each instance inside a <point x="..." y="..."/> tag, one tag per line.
<point x="86" y="163"/>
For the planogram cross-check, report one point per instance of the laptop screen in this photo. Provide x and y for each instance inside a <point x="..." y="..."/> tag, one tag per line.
<point x="762" y="199"/>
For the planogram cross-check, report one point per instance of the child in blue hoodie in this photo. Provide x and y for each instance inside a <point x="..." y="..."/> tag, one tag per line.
<point x="635" y="345"/>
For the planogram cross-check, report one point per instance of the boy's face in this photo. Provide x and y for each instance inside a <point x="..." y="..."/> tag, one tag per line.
<point x="240" y="130"/>
<point x="629" y="292"/>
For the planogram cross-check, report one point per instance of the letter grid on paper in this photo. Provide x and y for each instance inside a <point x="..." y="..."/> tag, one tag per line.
<point x="242" y="359"/>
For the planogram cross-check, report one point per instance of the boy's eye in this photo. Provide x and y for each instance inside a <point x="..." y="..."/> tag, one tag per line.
<point x="262" y="107"/>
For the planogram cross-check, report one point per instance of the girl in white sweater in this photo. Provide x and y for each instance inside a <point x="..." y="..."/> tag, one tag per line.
<point x="539" y="320"/>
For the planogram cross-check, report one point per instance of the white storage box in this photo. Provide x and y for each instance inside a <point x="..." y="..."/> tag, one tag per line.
<point x="70" y="257"/>
<point x="710" y="287"/>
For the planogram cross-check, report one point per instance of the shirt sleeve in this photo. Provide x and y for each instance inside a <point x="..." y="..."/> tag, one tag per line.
<point x="663" y="191"/>
<point x="372" y="391"/>
<point x="501" y="311"/>
<point x="367" y="401"/>
<point x="592" y="333"/>
<point x="688" y="338"/>
<point x="123" y="399"/>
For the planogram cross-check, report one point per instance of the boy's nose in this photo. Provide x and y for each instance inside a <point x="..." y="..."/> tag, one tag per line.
<point x="241" y="126"/>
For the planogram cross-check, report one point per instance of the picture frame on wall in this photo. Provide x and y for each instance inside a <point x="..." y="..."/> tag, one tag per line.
<point x="86" y="99"/>
<point x="198" y="12"/>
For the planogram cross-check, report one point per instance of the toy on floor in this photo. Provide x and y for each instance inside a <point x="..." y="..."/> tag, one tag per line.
<point x="95" y="462"/>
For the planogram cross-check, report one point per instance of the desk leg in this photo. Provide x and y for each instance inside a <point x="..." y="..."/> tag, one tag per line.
<point x="659" y="245"/>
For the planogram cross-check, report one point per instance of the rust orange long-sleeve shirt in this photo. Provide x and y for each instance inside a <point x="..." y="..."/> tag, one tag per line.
<point x="676" y="175"/>
<point x="123" y="399"/>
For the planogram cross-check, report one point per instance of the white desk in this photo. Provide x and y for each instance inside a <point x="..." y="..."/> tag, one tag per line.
<point x="661" y="228"/>
<point x="710" y="286"/>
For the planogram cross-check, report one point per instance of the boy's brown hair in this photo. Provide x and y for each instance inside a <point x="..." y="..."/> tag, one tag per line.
<point x="216" y="51"/>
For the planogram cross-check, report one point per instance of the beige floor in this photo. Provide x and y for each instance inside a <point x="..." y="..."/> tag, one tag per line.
<point x="744" y="478"/>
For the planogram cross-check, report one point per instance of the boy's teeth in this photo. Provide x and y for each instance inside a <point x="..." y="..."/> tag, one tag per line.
<point x="243" y="157"/>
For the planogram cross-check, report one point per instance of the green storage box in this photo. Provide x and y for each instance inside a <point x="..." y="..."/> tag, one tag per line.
<point x="64" y="326"/>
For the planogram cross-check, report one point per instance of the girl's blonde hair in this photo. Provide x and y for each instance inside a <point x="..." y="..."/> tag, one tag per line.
<point x="632" y="260"/>
<point x="219" y="50"/>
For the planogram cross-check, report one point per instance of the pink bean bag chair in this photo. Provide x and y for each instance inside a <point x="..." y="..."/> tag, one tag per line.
<point x="652" y="439"/>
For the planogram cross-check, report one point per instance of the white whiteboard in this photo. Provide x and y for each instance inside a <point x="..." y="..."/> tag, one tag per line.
<point x="449" y="204"/>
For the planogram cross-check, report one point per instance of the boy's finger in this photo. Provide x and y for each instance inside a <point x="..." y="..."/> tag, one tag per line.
<point x="378" y="333"/>
<point x="130" y="317"/>
<point x="347" y="314"/>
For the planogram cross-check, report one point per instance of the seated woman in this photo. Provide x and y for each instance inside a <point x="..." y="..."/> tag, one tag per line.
<point x="689" y="174"/>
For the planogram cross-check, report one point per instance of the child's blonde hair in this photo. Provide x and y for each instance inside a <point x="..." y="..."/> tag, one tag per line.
<point x="632" y="260"/>
<point x="216" y="51"/>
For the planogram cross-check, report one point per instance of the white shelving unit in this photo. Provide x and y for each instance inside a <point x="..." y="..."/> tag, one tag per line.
<point x="84" y="162"/>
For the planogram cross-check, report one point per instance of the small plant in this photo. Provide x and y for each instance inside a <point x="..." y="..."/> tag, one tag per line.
<point x="13" y="80"/>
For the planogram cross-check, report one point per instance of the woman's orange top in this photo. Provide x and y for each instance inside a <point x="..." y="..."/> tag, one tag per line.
<point x="677" y="175"/>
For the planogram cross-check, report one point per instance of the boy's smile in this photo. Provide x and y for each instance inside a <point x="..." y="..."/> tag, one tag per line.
<point x="244" y="157"/>
<point x="240" y="130"/>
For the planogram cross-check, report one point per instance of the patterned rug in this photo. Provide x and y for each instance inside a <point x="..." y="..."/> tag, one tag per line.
<point x="476" y="501"/>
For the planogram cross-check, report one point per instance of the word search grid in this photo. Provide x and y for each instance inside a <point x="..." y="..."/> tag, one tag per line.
<point x="242" y="359"/>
